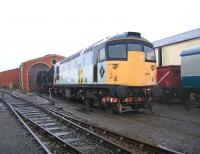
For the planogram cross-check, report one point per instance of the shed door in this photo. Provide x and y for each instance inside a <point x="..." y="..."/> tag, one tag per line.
<point x="32" y="75"/>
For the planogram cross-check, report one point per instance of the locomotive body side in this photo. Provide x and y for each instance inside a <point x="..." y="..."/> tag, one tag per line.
<point x="114" y="72"/>
<point x="76" y="71"/>
<point x="131" y="69"/>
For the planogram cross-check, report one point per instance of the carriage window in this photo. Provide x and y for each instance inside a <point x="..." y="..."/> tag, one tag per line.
<point x="102" y="55"/>
<point x="135" y="47"/>
<point x="117" y="51"/>
<point x="149" y="54"/>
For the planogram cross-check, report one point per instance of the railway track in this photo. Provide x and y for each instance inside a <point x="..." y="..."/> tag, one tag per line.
<point x="70" y="135"/>
<point x="42" y="147"/>
<point x="155" y="124"/>
<point x="151" y="115"/>
<point x="75" y="134"/>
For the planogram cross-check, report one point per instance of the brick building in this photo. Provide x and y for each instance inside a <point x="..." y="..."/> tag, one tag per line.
<point x="29" y="69"/>
<point x="24" y="77"/>
<point x="9" y="79"/>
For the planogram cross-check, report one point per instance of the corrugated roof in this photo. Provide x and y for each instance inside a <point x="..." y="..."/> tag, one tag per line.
<point x="178" y="38"/>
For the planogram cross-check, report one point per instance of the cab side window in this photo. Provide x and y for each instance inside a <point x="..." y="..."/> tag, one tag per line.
<point x="149" y="54"/>
<point x="102" y="55"/>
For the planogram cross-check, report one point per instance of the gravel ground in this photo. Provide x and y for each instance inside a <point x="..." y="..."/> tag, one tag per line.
<point x="14" y="139"/>
<point x="172" y="125"/>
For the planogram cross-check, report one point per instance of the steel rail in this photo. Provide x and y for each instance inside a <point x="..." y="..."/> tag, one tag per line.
<point x="117" y="148"/>
<point x="117" y="139"/>
<point x="44" y="148"/>
<point x="121" y="139"/>
<point x="69" y="147"/>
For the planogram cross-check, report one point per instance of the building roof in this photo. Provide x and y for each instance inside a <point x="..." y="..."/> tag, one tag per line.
<point x="178" y="38"/>
<point x="49" y="55"/>
<point x="13" y="69"/>
<point x="191" y="51"/>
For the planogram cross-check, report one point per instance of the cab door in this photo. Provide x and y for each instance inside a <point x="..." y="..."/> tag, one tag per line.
<point x="95" y="61"/>
<point x="101" y="66"/>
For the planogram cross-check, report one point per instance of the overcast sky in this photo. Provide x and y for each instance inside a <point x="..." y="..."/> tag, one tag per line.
<point x="31" y="29"/>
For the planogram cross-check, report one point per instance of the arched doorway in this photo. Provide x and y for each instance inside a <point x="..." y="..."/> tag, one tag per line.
<point x="32" y="75"/>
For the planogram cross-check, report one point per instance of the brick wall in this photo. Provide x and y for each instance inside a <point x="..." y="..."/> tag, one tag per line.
<point x="10" y="79"/>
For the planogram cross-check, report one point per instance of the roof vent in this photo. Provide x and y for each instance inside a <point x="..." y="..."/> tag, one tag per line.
<point x="134" y="34"/>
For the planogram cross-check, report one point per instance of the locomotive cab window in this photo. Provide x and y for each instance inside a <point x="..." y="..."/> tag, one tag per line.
<point x="149" y="54"/>
<point x="117" y="51"/>
<point x="102" y="55"/>
<point x="135" y="47"/>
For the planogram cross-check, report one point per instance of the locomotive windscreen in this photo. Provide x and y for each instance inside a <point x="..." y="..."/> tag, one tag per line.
<point x="118" y="49"/>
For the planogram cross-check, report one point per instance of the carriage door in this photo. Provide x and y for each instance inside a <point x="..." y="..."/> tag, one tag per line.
<point x="101" y="66"/>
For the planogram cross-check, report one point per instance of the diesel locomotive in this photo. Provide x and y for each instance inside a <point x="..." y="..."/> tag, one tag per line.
<point x="116" y="73"/>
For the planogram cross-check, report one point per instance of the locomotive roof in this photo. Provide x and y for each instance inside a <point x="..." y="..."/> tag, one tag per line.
<point x="190" y="51"/>
<point x="125" y="35"/>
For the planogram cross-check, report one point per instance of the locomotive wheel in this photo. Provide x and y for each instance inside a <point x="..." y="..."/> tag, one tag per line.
<point x="97" y="103"/>
<point x="88" y="102"/>
<point x="110" y="109"/>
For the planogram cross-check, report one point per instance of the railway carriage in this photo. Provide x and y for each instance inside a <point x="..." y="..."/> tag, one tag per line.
<point x="190" y="71"/>
<point x="115" y="73"/>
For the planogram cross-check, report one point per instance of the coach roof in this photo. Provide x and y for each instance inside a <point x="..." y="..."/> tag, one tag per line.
<point x="191" y="51"/>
